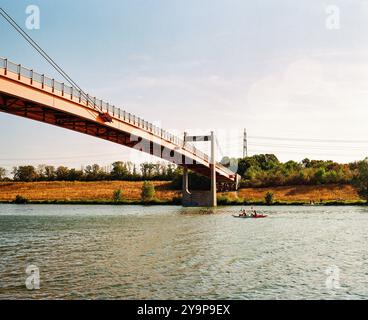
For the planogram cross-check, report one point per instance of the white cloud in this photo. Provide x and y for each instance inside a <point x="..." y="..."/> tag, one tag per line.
<point x="331" y="89"/>
<point x="314" y="98"/>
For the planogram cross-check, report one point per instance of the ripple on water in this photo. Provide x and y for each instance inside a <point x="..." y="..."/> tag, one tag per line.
<point x="127" y="252"/>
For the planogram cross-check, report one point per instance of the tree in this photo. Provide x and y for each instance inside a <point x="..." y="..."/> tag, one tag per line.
<point x="75" y="175"/>
<point x="245" y="164"/>
<point x="360" y="180"/>
<point x="129" y="165"/>
<point x="158" y="170"/>
<point x="306" y="163"/>
<point x="320" y="175"/>
<point x="148" y="191"/>
<point x="266" y="161"/>
<point x="135" y="175"/>
<point x="62" y="173"/>
<point x="49" y="173"/>
<point x="25" y="173"/>
<point x="291" y="165"/>
<point x="147" y="170"/>
<point x="2" y="173"/>
<point x="94" y="173"/>
<point x="41" y="172"/>
<point x="119" y="171"/>
<point x="170" y="171"/>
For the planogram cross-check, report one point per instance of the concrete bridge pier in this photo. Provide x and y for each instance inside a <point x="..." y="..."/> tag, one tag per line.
<point x="201" y="198"/>
<point x="195" y="198"/>
<point x="213" y="195"/>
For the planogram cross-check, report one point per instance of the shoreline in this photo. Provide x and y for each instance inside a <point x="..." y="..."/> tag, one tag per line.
<point x="101" y="193"/>
<point x="178" y="203"/>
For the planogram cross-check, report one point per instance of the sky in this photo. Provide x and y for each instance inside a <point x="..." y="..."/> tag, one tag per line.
<point x="293" y="73"/>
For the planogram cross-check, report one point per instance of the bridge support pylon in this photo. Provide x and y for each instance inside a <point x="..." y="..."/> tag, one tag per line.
<point x="213" y="195"/>
<point x="201" y="198"/>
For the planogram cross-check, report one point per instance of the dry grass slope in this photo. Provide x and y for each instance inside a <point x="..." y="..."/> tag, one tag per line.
<point x="103" y="190"/>
<point x="303" y="193"/>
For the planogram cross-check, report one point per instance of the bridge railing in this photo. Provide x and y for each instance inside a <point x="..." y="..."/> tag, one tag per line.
<point x="88" y="100"/>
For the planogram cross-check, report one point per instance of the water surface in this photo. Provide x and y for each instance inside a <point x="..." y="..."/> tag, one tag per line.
<point x="164" y="252"/>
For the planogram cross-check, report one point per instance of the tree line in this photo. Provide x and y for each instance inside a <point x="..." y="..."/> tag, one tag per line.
<point x="263" y="170"/>
<point x="119" y="171"/>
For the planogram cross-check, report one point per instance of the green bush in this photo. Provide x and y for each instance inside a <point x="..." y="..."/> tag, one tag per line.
<point x="224" y="199"/>
<point x="20" y="200"/>
<point x="360" y="180"/>
<point x="148" y="191"/>
<point x="269" y="198"/>
<point x="117" y="195"/>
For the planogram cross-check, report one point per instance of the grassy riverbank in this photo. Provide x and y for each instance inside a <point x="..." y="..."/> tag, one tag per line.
<point x="101" y="193"/>
<point x="82" y="191"/>
<point x="178" y="202"/>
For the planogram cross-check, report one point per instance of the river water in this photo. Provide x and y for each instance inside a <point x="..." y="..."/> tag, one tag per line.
<point x="168" y="252"/>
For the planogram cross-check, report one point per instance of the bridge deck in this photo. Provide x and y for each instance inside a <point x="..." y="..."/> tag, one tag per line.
<point x="28" y="94"/>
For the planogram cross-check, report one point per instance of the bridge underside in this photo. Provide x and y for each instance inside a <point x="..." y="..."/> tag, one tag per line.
<point x="30" y="95"/>
<point x="35" y="111"/>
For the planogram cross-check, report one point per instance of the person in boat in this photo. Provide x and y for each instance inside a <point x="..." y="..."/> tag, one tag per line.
<point x="254" y="212"/>
<point x="243" y="213"/>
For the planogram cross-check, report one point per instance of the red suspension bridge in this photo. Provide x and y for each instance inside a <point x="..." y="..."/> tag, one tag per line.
<point x="32" y="95"/>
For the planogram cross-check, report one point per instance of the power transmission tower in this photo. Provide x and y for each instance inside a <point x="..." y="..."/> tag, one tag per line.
<point x="245" y="144"/>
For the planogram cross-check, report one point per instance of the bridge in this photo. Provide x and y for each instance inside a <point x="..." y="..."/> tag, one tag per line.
<point x="32" y="95"/>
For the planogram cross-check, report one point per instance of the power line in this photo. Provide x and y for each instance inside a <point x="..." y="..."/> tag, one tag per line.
<point x="306" y="147"/>
<point x="237" y="139"/>
<point x="235" y="148"/>
<point x="309" y="139"/>
<point x="337" y="153"/>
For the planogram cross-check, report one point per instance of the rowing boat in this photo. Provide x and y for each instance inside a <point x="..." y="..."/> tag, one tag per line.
<point x="251" y="217"/>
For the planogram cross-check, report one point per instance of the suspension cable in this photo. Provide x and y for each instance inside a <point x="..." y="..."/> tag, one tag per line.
<point x="14" y="24"/>
<point x="219" y="147"/>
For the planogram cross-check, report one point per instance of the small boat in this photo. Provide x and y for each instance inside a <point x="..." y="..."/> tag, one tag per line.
<point x="251" y="217"/>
